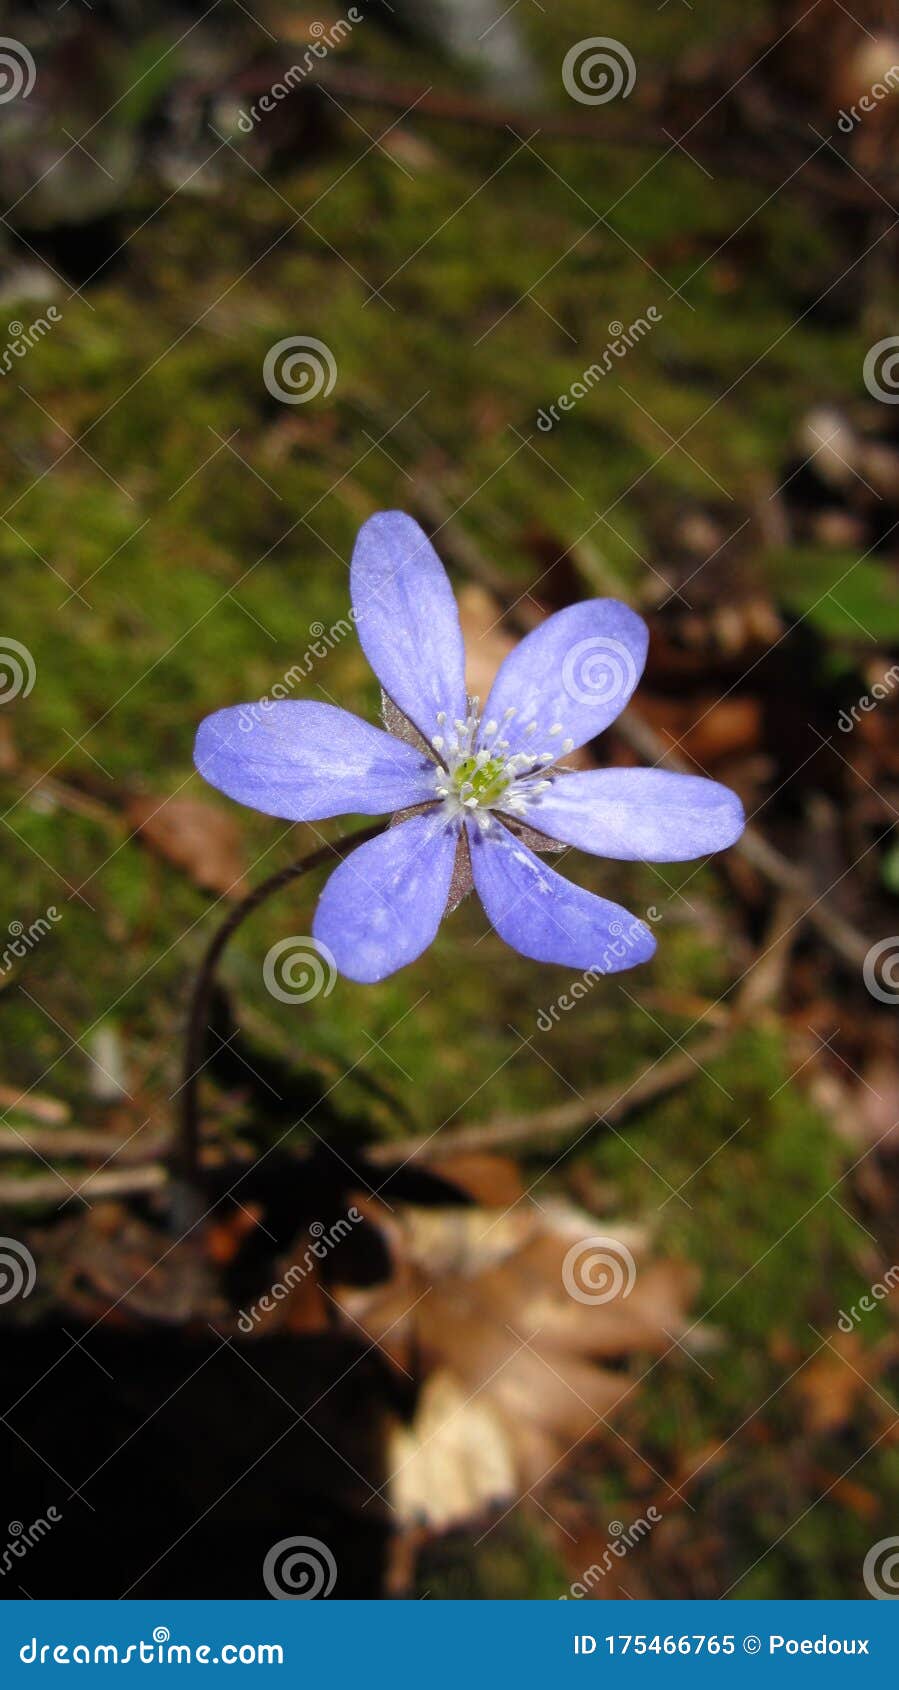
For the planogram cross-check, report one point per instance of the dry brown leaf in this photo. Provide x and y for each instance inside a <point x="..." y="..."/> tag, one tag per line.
<point x="9" y="757"/>
<point x="858" y="1498"/>
<point x="225" y="1235"/>
<point x="705" y="730"/>
<point x="493" y="1181"/>
<point x="830" y="1386"/>
<point x="487" y="642"/>
<point x="305" y="28"/>
<point x="863" y="1115"/>
<point x="478" y="1305"/>
<point x="197" y="837"/>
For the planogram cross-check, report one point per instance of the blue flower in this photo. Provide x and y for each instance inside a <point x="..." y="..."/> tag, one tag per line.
<point x="477" y="791"/>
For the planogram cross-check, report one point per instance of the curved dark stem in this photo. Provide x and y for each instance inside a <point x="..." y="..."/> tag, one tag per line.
<point x="185" y="1155"/>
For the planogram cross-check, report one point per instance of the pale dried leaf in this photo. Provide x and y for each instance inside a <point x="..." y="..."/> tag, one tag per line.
<point x="452" y="1462"/>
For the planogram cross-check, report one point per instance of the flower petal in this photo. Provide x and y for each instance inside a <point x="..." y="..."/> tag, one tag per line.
<point x="639" y="815"/>
<point x="304" y="760"/>
<point x="575" y="672"/>
<point x="382" y="907"/>
<point x="547" y="918"/>
<point x="407" y="620"/>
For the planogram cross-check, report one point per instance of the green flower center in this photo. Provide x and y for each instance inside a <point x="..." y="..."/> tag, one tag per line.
<point x="486" y="783"/>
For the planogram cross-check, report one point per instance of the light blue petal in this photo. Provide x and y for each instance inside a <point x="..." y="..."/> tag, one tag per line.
<point x="575" y="673"/>
<point x="547" y="918"/>
<point x="639" y="815"/>
<point x="303" y="760"/>
<point x="407" y="620"/>
<point x="382" y="907"/>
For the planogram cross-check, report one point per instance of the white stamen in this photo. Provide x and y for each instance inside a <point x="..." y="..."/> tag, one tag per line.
<point x="479" y="773"/>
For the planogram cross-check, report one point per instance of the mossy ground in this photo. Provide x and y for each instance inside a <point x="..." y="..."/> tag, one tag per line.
<point x="198" y="571"/>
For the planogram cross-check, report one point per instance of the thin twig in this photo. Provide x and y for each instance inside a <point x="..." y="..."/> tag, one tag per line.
<point x="77" y="1144"/>
<point x="44" y="1188"/>
<point x="743" y="157"/>
<point x="605" y="1105"/>
<point x="88" y="1144"/>
<point x="38" y="1107"/>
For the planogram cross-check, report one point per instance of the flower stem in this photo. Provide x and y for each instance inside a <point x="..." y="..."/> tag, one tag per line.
<point x="185" y="1155"/>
